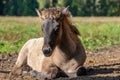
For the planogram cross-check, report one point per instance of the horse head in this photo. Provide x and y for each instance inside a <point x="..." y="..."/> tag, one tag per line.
<point x="51" y="27"/>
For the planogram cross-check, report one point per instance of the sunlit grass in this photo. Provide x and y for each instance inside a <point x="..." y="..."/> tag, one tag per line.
<point x="96" y="33"/>
<point x="96" y="36"/>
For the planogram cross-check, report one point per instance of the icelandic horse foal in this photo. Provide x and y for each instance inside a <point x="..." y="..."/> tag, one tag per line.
<point x="59" y="53"/>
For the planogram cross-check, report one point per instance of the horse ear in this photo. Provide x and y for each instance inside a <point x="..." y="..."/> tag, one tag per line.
<point x="65" y="11"/>
<point x="39" y="13"/>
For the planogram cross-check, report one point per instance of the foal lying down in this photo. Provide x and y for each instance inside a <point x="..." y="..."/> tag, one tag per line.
<point x="59" y="53"/>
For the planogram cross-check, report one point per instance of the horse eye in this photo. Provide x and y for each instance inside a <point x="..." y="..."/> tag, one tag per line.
<point x="56" y="25"/>
<point x="56" y="28"/>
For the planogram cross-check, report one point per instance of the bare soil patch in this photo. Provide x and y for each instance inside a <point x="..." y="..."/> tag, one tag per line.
<point x="103" y="64"/>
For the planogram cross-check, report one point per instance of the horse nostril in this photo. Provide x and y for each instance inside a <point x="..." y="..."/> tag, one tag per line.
<point x="47" y="51"/>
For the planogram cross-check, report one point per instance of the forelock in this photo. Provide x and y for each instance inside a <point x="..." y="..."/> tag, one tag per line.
<point x="53" y="13"/>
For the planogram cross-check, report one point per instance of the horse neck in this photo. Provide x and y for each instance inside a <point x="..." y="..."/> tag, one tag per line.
<point x="69" y="39"/>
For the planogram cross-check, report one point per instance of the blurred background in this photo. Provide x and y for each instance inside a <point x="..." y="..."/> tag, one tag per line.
<point x="97" y="20"/>
<point x="77" y="7"/>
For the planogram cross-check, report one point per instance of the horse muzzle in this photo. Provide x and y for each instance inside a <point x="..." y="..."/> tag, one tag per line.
<point x="47" y="51"/>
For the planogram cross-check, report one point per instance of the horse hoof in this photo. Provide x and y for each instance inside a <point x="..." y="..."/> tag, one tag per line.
<point x="81" y="71"/>
<point x="89" y="70"/>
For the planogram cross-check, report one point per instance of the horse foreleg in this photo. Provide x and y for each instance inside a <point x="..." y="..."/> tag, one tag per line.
<point x="50" y="72"/>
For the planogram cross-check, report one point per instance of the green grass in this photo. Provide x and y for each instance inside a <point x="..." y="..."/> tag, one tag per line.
<point x="96" y="35"/>
<point x="12" y="38"/>
<point x="15" y="31"/>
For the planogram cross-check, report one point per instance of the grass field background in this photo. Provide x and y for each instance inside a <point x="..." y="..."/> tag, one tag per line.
<point x="96" y="32"/>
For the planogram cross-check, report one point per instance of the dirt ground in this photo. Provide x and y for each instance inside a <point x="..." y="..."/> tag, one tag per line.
<point x="103" y="64"/>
